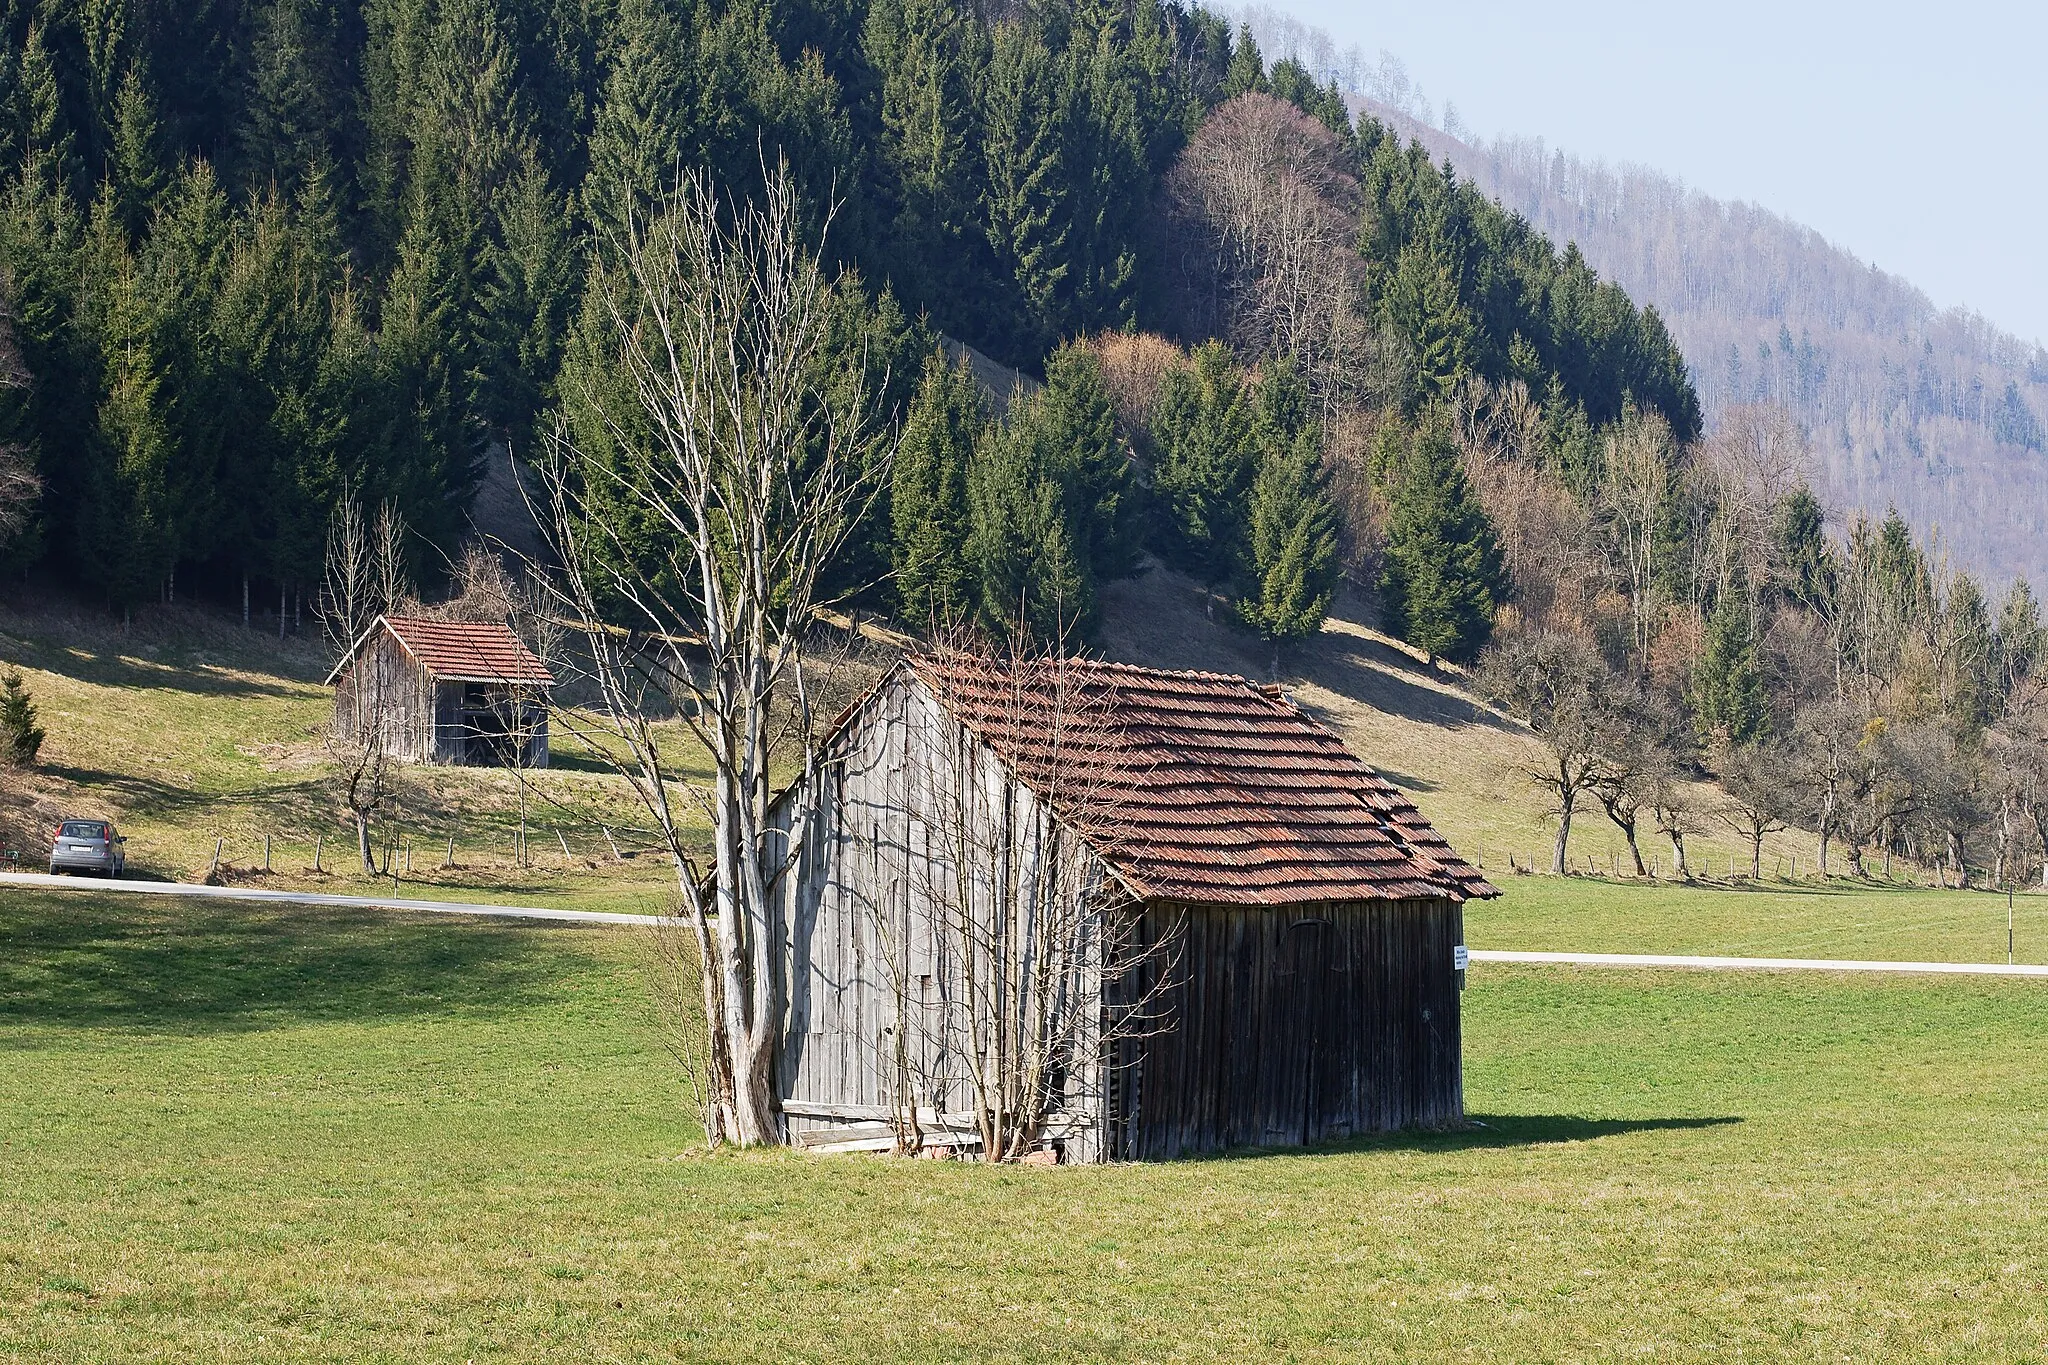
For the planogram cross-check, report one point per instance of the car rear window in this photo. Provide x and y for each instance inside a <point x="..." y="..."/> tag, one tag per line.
<point x="82" y="829"/>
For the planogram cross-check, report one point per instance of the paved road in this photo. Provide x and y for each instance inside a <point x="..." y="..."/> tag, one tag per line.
<point x="43" y="881"/>
<point x="1755" y="964"/>
<point x="251" y="893"/>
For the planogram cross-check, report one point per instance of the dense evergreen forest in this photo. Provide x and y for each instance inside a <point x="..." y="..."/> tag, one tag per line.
<point x="257" y="254"/>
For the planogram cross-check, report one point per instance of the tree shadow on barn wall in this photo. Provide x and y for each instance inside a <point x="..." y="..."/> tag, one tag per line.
<point x="196" y="968"/>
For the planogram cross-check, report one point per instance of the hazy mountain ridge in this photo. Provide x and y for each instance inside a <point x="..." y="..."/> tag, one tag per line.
<point x="1932" y="410"/>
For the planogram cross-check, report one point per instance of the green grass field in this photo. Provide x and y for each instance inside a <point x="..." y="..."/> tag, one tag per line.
<point x="1841" y="919"/>
<point x="237" y="1134"/>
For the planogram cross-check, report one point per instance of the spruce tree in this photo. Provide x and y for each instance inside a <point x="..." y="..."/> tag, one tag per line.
<point x="137" y="170"/>
<point x="1727" y="684"/>
<point x="1104" y="157"/>
<point x="523" y="301"/>
<point x="1803" y="561"/>
<point x="2021" y="636"/>
<point x="1442" y="577"/>
<point x="21" y="739"/>
<point x="1290" y="564"/>
<point x="1073" y="422"/>
<point x="1025" y="198"/>
<point x="936" y="582"/>
<point x="1032" y="579"/>
<point x="927" y="56"/>
<point x="645" y="121"/>
<point x="1247" y="70"/>
<point x="1206" y="454"/>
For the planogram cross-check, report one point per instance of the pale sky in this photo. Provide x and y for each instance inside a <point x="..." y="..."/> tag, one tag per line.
<point x="1915" y="136"/>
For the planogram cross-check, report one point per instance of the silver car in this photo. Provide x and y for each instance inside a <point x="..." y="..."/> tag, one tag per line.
<point x="88" y="846"/>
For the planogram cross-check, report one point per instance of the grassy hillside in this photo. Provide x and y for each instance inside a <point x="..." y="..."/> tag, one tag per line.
<point x="186" y="728"/>
<point x="1416" y="724"/>
<point x="285" y="1137"/>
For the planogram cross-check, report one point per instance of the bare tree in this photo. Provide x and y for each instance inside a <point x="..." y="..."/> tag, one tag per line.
<point x="1761" y="796"/>
<point x="2016" y="753"/>
<point x="1637" y="741"/>
<point x="1678" y="815"/>
<point x="750" y="463"/>
<point x="365" y="574"/>
<point x="1265" y="213"/>
<point x="1560" y="688"/>
<point x="1827" y="740"/>
<point x="1634" y="477"/>
<point x="360" y="741"/>
<point x="487" y="590"/>
<point x="1015" y="957"/>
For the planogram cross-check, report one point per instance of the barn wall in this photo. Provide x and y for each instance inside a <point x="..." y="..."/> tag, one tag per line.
<point x="866" y="973"/>
<point x="1281" y="1027"/>
<point x="385" y="693"/>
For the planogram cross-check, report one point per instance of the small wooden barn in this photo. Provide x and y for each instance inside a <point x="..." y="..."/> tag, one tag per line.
<point x="453" y="692"/>
<point x="1297" y="926"/>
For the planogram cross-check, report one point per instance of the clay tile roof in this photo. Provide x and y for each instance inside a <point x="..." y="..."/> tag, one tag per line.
<point x="469" y="651"/>
<point x="1222" y="791"/>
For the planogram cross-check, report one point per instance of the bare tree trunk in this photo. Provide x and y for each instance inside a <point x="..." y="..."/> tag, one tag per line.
<point x="1564" y="834"/>
<point x="754" y="468"/>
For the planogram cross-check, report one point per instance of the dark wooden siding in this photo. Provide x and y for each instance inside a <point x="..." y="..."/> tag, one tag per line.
<point x="1279" y="1027"/>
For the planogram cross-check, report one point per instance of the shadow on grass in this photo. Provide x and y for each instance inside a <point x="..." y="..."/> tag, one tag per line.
<point x="196" y="968"/>
<point x="150" y="796"/>
<point x="1489" y="1131"/>
<point x="107" y="669"/>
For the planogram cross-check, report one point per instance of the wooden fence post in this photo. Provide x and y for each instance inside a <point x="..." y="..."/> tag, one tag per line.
<point x="316" y="851"/>
<point x="449" y="861"/>
<point x="214" y="871"/>
<point x="563" y="842"/>
<point x="266" y="853"/>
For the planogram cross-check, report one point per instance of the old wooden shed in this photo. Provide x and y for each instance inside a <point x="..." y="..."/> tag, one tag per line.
<point x="456" y="692"/>
<point x="1295" y="922"/>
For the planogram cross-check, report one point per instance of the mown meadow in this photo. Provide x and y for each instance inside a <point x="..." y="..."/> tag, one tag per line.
<point x="244" y="1133"/>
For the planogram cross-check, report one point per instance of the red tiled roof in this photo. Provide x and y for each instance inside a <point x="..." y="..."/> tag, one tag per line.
<point x="1221" y="791"/>
<point x="469" y="651"/>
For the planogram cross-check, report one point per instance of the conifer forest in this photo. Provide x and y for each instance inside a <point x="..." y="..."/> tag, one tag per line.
<point x="259" y="258"/>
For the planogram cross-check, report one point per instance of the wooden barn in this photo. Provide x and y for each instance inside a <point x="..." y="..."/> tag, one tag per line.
<point x="1289" y="966"/>
<point x="454" y="692"/>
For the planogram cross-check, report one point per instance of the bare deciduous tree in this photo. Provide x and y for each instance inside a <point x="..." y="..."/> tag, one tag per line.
<point x="753" y="466"/>
<point x="1635" y="471"/>
<point x="1559" y="687"/>
<point x="1265" y="216"/>
<point x="1638" y="753"/>
<point x="1761" y="796"/>
<point x="359" y="741"/>
<point x="365" y="574"/>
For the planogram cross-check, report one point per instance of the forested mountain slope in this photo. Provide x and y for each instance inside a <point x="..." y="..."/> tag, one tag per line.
<point x="1933" y="411"/>
<point x="1930" y="410"/>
